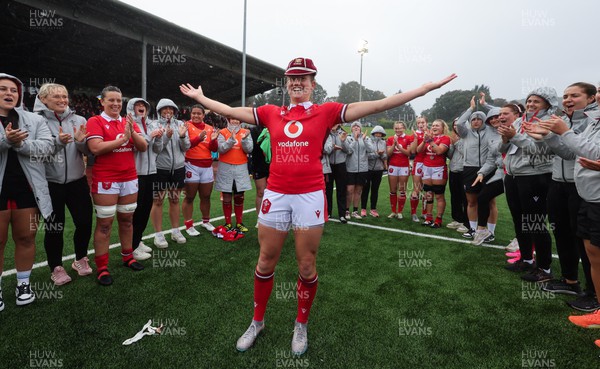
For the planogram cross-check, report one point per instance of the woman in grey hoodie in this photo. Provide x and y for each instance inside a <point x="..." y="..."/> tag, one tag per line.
<point x="377" y="164"/>
<point x="528" y="164"/>
<point x="357" y="166"/>
<point x="564" y="201"/>
<point x="145" y="164"/>
<point x="65" y="171"/>
<point x="170" y="170"/>
<point x="586" y="146"/>
<point x="25" y="142"/>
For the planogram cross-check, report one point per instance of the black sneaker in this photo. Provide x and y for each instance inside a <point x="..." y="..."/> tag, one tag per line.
<point x="1" y="301"/>
<point x="490" y="238"/>
<point x="133" y="265"/>
<point x="25" y="295"/>
<point x="587" y="303"/>
<point x="469" y="234"/>
<point x="520" y="266"/>
<point x="343" y="220"/>
<point x="537" y="275"/>
<point x="561" y="286"/>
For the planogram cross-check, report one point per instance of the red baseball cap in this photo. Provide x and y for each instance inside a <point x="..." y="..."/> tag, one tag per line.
<point x="300" y="67"/>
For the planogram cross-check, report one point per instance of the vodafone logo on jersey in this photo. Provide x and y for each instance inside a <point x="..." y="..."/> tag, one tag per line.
<point x="293" y="129"/>
<point x="119" y="137"/>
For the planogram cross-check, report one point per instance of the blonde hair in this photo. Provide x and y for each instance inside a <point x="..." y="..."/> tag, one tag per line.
<point x="47" y="88"/>
<point x="400" y="122"/>
<point x="444" y="126"/>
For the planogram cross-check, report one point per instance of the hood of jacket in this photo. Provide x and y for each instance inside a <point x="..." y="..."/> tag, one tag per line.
<point x="131" y="103"/>
<point x="480" y="115"/>
<point x="378" y="129"/>
<point x="549" y="94"/>
<point x="163" y="103"/>
<point x="19" y="88"/>
<point x="492" y="113"/>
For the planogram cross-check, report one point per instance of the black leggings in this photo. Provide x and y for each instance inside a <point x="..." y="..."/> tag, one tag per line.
<point x="458" y="199"/>
<point x="372" y="184"/>
<point x="76" y="196"/>
<point x="146" y="187"/>
<point x="338" y="174"/>
<point x="489" y="192"/>
<point x="526" y="197"/>
<point x="563" y="206"/>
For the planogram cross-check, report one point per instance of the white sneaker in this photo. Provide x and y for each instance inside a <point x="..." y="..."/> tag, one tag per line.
<point x="300" y="339"/>
<point x="453" y="225"/>
<point x="192" y="232"/>
<point x="142" y="246"/>
<point x="159" y="241"/>
<point x="24" y="294"/>
<point x="462" y="229"/>
<point x="480" y="236"/>
<point x="247" y="339"/>
<point x="177" y="236"/>
<point x="1" y="301"/>
<point x="513" y="246"/>
<point x="139" y="254"/>
<point x="415" y="218"/>
<point x="399" y="216"/>
<point x="209" y="227"/>
<point x="392" y="215"/>
<point x="347" y="216"/>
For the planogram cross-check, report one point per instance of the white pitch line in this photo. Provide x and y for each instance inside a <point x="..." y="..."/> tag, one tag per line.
<point x="457" y="240"/>
<point x="113" y="246"/>
<point x="151" y="235"/>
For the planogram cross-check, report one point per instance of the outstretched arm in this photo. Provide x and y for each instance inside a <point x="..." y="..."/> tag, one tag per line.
<point x="242" y="114"/>
<point x="361" y="109"/>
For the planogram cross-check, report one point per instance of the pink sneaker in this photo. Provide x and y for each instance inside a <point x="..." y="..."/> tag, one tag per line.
<point x="515" y="254"/>
<point x="363" y="213"/>
<point x="513" y="260"/>
<point x="60" y="276"/>
<point x="374" y="213"/>
<point x="82" y="266"/>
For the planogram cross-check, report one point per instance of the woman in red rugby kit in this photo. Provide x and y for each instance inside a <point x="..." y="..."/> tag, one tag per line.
<point x="398" y="150"/>
<point x="295" y="194"/>
<point x="112" y="139"/>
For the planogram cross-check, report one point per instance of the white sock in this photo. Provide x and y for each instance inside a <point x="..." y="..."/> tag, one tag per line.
<point x="473" y="224"/>
<point x="23" y="277"/>
<point x="491" y="227"/>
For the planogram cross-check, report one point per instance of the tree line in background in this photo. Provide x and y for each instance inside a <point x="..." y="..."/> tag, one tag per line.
<point x="448" y="106"/>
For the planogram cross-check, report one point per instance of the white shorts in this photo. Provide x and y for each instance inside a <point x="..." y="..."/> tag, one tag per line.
<point x="435" y="173"/>
<point x="115" y="188"/>
<point x="398" y="171"/>
<point x="280" y="211"/>
<point x="195" y="174"/>
<point x="417" y="169"/>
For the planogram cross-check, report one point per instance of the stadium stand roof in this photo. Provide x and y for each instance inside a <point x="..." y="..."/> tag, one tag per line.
<point x="91" y="44"/>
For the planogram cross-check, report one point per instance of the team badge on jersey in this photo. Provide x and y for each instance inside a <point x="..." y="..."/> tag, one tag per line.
<point x="293" y="129"/>
<point x="266" y="206"/>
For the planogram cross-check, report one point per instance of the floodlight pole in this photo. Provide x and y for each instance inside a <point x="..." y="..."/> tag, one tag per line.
<point x="144" y="71"/>
<point x="244" y="61"/>
<point x="362" y="51"/>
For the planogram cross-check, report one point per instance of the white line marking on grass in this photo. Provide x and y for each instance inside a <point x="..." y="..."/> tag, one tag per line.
<point x="426" y="235"/>
<point x="151" y="235"/>
<point x="113" y="246"/>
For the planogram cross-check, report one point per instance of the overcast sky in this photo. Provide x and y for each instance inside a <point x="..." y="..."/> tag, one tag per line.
<point x="512" y="46"/>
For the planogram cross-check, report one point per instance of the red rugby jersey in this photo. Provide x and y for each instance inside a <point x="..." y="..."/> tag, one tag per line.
<point x="119" y="164"/>
<point x="419" y="156"/>
<point x="397" y="158"/>
<point x="297" y="139"/>
<point x="431" y="158"/>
